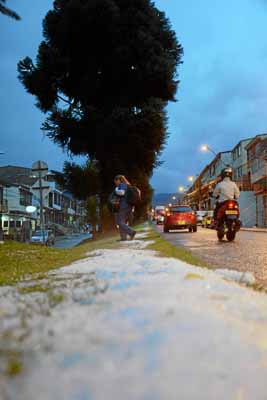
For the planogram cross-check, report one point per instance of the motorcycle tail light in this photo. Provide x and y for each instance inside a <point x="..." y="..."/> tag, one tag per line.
<point x="231" y="205"/>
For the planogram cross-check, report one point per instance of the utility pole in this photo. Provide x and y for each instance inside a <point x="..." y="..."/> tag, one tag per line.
<point x="41" y="203"/>
<point x="41" y="168"/>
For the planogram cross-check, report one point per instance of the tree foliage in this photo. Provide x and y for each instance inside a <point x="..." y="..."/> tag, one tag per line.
<point x="80" y="180"/>
<point x="7" y="11"/>
<point x="104" y="74"/>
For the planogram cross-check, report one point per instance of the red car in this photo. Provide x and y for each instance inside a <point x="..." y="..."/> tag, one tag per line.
<point x="180" y="217"/>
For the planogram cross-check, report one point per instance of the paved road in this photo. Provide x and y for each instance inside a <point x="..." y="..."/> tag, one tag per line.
<point x="247" y="253"/>
<point x="72" y="240"/>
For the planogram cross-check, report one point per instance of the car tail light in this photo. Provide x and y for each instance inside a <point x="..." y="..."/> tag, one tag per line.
<point x="168" y="214"/>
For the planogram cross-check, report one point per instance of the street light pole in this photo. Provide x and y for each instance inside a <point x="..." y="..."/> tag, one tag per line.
<point x="41" y="202"/>
<point x="206" y="148"/>
<point x="41" y="169"/>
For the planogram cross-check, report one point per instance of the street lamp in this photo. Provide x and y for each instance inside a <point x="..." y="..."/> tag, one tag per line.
<point x="174" y="198"/>
<point x="181" y="189"/>
<point x="191" y="179"/>
<point x="205" y="148"/>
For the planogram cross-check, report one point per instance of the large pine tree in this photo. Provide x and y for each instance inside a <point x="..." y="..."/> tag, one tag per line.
<point x="7" y="11"/>
<point x="104" y="74"/>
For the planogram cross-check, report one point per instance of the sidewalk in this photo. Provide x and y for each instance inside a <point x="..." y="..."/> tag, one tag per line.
<point x="261" y="230"/>
<point x="127" y="324"/>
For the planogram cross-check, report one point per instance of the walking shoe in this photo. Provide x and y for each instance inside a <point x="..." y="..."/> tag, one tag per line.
<point x="121" y="240"/>
<point x="132" y="235"/>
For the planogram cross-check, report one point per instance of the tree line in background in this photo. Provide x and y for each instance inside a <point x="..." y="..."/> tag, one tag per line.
<point x="104" y="74"/>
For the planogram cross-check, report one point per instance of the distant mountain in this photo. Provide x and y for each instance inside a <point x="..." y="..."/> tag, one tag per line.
<point x="162" y="199"/>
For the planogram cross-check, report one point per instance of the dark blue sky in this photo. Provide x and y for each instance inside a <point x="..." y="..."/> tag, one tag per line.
<point x="222" y="96"/>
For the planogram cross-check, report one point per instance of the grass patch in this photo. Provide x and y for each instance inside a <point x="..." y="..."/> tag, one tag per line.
<point x="14" y="367"/>
<point x="13" y="362"/>
<point x="20" y="261"/>
<point x="167" y="249"/>
<point x="32" y="289"/>
<point x="192" y="275"/>
<point x="55" y="299"/>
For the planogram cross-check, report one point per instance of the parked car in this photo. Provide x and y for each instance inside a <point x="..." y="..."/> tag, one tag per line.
<point x="47" y="237"/>
<point x="208" y="220"/>
<point x="200" y="214"/>
<point x="180" y="217"/>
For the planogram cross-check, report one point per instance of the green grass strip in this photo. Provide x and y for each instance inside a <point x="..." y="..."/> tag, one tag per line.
<point x="19" y="261"/>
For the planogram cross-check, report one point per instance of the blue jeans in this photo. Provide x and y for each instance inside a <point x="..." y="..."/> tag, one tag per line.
<point x="122" y="217"/>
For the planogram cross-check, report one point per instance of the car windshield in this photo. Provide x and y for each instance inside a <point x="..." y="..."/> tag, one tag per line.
<point x="180" y="209"/>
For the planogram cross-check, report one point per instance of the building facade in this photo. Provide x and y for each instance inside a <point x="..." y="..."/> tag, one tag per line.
<point x="257" y="167"/>
<point x="14" y="200"/>
<point x="248" y="160"/>
<point x="239" y="163"/>
<point x="19" y="188"/>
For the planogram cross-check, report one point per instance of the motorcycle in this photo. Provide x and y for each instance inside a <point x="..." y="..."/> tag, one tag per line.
<point x="228" y="220"/>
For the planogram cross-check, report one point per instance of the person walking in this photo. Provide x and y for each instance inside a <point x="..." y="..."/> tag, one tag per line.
<point x="124" y="213"/>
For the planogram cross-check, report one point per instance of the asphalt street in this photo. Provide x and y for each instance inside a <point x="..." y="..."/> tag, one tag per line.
<point x="247" y="253"/>
<point x="72" y="240"/>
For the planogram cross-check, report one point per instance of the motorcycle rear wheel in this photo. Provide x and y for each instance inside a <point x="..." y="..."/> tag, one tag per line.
<point x="230" y="235"/>
<point x="220" y="234"/>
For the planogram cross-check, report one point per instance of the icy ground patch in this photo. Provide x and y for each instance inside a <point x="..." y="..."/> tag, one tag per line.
<point x="134" y="326"/>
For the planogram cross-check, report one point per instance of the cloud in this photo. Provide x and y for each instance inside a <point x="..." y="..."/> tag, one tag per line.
<point x="223" y="93"/>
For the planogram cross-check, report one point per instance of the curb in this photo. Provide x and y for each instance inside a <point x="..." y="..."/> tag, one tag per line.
<point x="254" y="230"/>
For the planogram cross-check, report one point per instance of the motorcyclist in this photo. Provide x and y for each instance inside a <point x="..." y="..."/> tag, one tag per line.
<point x="225" y="190"/>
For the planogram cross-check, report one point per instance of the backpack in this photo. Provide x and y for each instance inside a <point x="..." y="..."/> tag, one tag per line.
<point x="113" y="202"/>
<point x="133" y="195"/>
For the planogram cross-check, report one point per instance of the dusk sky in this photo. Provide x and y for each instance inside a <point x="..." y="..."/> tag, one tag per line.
<point x="222" y="96"/>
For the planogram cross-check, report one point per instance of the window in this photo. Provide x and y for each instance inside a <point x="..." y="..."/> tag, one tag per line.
<point x="18" y="224"/>
<point x="50" y="200"/>
<point x="57" y="199"/>
<point x="1" y="195"/>
<point x="12" y="224"/>
<point x="240" y="172"/>
<point x="212" y="170"/>
<point x="5" y="224"/>
<point x="25" y="197"/>
<point x="257" y="165"/>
